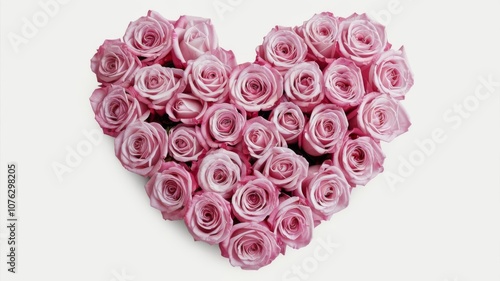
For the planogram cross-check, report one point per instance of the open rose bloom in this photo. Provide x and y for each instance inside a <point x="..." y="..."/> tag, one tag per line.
<point x="252" y="156"/>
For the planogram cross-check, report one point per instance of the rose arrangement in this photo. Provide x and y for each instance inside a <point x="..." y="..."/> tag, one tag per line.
<point x="251" y="156"/>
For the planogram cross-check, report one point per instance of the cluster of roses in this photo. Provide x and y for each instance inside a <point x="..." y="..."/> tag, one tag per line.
<point x="251" y="156"/>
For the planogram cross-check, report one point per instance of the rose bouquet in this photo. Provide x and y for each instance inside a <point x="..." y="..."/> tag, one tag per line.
<point x="251" y="156"/>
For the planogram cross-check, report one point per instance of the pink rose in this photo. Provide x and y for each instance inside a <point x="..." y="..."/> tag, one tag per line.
<point x="150" y="38"/>
<point x="293" y="223"/>
<point x="381" y="117"/>
<point x="289" y="121"/>
<point x="324" y="131"/>
<point x="209" y="218"/>
<point x="260" y="135"/>
<point x="222" y="124"/>
<point x="283" y="167"/>
<point x="344" y="83"/>
<point x="156" y="85"/>
<point x="282" y="48"/>
<point x="391" y="74"/>
<point x="186" y="143"/>
<point x="226" y="57"/>
<point x="170" y="190"/>
<point x="250" y="245"/>
<point x="255" y="197"/>
<point x="115" y="108"/>
<point x="142" y="147"/>
<point x="186" y="108"/>
<point x="303" y="85"/>
<point x="255" y="87"/>
<point x="208" y="78"/>
<point x="361" y="39"/>
<point x="360" y="159"/>
<point x="320" y="34"/>
<point x="220" y="170"/>
<point x="114" y="63"/>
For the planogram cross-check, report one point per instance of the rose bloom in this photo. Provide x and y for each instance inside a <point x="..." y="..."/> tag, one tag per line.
<point x="115" y="108"/>
<point x="283" y="167"/>
<point x="250" y="245"/>
<point x="209" y="218"/>
<point x="186" y="108"/>
<point x="320" y="33"/>
<point x="220" y="170"/>
<point x="360" y="159"/>
<point x="156" y="85"/>
<point x="289" y="121"/>
<point x="208" y="78"/>
<point x="344" y="83"/>
<point x="114" y="63"/>
<point x="282" y="48"/>
<point x="325" y="190"/>
<point x="381" y="117"/>
<point x="222" y="124"/>
<point x="170" y="190"/>
<point x="391" y="74"/>
<point x="260" y="135"/>
<point x="142" y="147"/>
<point x="150" y="38"/>
<point x="324" y="131"/>
<point x="227" y="57"/>
<point x="255" y="87"/>
<point x="361" y="39"/>
<point x="255" y="197"/>
<point x="303" y="85"/>
<point x="185" y="143"/>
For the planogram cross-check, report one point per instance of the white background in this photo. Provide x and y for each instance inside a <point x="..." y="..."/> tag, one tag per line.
<point x="440" y="222"/>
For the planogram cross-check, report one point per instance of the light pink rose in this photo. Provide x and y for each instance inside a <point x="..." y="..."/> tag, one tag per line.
<point x="255" y="87"/>
<point x="208" y="78"/>
<point x="250" y="245"/>
<point x="391" y="74"/>
<point x="220" y="170"/>
<point x="283" y="167"/>
<point x="325" y="190"/>
<point x="289" y="121"/>
<point x="142" y="147"/>
<point x="361" y="39"/>
<point x="293" y="223"/>
<point x="324" y="131"/>
<point x="115" y="108"/>
<point x="260" y="135"/>
<point x="344" y="83"/>
<point x="320" y="33"/>
<point x="150" y="38"/>
<point x="222" y="125"/>
<point x="209" y="218"/>
<point x="156" y="85"/>
<point x="114" y="63"/>
<point x="170" y="190"/>
<point x="186" y="108"/>
<point x="303" y="85"/>
<point x="381" y="117"/>
<point x="227" y="57"/>
<point x="282" y="48"/>
<point x="185" y="143"/>
<point x="254" y="199"/>
<point x="360" y="159"/>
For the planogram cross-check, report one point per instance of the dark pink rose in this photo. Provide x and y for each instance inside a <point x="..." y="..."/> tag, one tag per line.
<point x="186" y="108"/>
<point x="185" y="143"/>
<point x="260" y="135"/>
<point x="289" y="121"/>
<point x="250" y="245"/>
<point x="255" y="87"/>
<point x="170" y="190"/>
<point x="209" y="218"/>
<point x="114" y="63"/>
<point x="343" y="83"/>
<point x="324" y="131"/>
<point x="303" y="85"/>
<point x="142" y="147"/>
<point x="115" y="108"/>
<point x="150" y="38"/>
<point x="208" y="78"/>
<point x="222" y="124"/>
